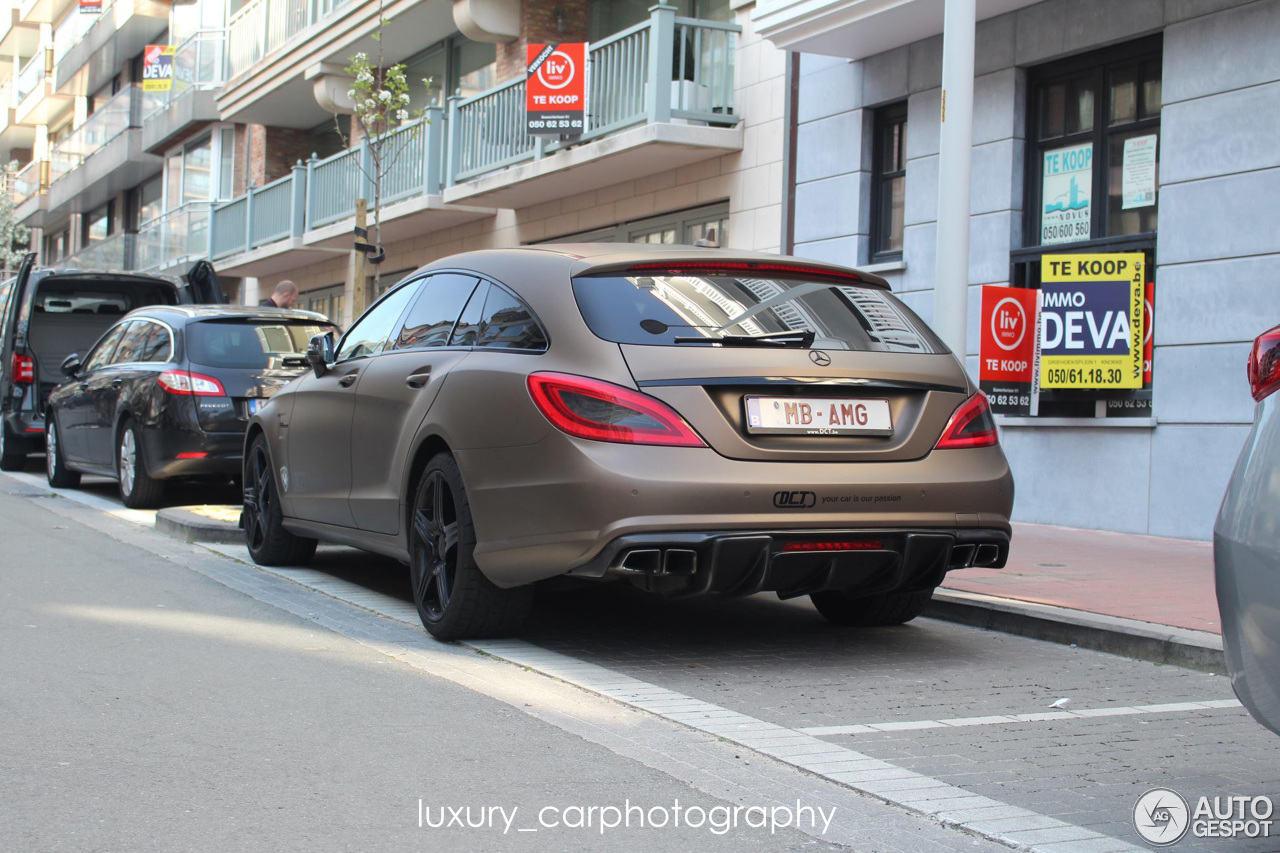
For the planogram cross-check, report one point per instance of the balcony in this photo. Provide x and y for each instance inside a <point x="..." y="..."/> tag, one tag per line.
<point x="856" y="29"/>
<point x="115" y="36"/>
<point x="114" y="253"/>
<point x="38" y="103"/>
<point x="16" y="38"/>
<point x="199" y="66"/>
<point x="276" y="47"/>
<point x="310" y="213"/>
<point x="177" y="238"/>
<point x="41" y="11"/>
<point x="99" y="159"/>
<point x="28" y="191"/>
<point x="646" y="117"/>
<point x="12" y="134"/>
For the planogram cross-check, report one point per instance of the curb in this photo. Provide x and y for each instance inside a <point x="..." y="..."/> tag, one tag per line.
<point x="1162" y="644"/>
<point x="190" y="526"/>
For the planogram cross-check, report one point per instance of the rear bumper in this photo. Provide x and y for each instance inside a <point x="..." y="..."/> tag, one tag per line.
<point x="24" y="432"/>
<point x="737" y="563"/>
<point x="176" y="453"/>
<point x="555" y="507"/>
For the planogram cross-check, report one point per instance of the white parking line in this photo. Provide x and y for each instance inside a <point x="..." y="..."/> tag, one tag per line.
<point x="1041" y="717"/>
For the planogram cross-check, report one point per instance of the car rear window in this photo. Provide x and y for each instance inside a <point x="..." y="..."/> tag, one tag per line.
<point x="259" y="344"/>
<point x="689" y="310"/>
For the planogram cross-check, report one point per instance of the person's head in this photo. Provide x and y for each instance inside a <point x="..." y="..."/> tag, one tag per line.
<point x="286" y="293"/>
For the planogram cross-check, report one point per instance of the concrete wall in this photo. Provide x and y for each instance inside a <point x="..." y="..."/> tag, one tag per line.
<point x="1218" y="280"/>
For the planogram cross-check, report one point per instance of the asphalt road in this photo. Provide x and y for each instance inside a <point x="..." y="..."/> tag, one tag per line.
<point x="287" y="719"/>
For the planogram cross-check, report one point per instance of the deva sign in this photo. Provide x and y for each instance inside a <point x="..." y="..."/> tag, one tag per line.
<point x="1091" y="317"/>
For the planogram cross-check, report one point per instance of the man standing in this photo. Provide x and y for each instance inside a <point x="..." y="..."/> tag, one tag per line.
<point x="286" y="293"/>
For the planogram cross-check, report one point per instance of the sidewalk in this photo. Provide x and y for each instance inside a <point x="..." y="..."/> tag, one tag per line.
<point x="1144" y="597"/>
<point x="1146" y="578"/>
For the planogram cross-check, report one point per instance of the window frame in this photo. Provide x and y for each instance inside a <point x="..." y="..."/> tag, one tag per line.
<point x="883" y="118"/>
<point x="482" y="280"/>
<point x="1099" y="66"/>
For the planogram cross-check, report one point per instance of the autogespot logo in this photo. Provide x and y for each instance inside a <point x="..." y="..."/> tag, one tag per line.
<point x="1161" y="816"/>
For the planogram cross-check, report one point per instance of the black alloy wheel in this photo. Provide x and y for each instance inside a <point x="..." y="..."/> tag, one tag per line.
<point x="454" y="598"/>
<point x="268" y="542"/>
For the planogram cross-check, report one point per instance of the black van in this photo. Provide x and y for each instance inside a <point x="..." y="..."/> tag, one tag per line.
<point x="48" y="314"/>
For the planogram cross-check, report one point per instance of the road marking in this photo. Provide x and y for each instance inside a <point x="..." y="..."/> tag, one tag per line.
<point x="1044" y="716"/>
<point x="992" y="819"/>
<point x="952" y="805"/>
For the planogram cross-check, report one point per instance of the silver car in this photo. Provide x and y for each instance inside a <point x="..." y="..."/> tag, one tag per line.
<point x="1246" y="547"/>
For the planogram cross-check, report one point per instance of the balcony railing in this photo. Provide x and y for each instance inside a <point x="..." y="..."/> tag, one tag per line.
<point x="662" y="69"/>
<point x="322" y="192"/>
<point x="32" y="74"/>
<point x="180" y="235"/>
<point x="198" y="63"/>
<point x="107" y="122"/>
<point x="74" y="28"/>
<point x="264" y="25"/>
<point x="31" y="179"/>
<point x="114" y="253"/>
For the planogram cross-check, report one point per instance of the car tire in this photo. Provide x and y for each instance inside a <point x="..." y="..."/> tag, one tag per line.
<point x="138" y="489"/>
<point x="268" y="542"/>
<point x="55" y="465"/>
<point x="454" y="598"/>
<point x="843" y="608"/>
<point x="9" y="459"/>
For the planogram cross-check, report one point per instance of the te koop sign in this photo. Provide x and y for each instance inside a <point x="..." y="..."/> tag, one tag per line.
<point x="1091" y="319"/>
<point x="1007" y="350"/>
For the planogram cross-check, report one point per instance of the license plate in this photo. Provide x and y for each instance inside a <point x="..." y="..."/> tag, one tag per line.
<point x="255" y="404"/>
<point x="818" y="416"/>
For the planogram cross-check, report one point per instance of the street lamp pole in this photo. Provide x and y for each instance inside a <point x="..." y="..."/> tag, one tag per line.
<point x="951" y="276"/>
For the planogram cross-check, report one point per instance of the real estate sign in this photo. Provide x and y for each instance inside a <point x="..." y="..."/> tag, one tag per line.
<point x="1066" y="195"/>
<point x="157" y="68"/>
<point x="556" y="87"/>
<point x="1091" y="319"/>
<point x="1007" y="353"/>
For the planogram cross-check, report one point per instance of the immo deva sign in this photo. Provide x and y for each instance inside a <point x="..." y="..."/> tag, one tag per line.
<point x="1083" y="329"/>
<point x="555" y="89"/>
<point x="157" y="67"/>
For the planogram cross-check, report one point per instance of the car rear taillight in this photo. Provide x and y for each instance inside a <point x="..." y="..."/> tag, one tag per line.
<point x="1264" y="364"/>
<point x="602" y="411"/>
<point x="971" y="425"/>
<point x="190" y="384"/>
<point x="24" y="369"/>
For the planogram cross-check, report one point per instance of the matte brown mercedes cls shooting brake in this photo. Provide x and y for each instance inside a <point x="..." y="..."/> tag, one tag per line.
<point x="693" y="421"/>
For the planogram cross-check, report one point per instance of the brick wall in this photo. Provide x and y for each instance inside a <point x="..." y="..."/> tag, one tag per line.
<point x="542" y="22"/>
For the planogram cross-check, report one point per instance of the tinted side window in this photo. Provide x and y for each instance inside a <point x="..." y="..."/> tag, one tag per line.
<point x="432" y="316"/>
<point x="135" y="338"/>
<point x="369" y="336"/>
<point x="509" y="324"/>
<point x="158" y="348"/>
<point x="102" y="352"/>
<point x="468" y="328"/>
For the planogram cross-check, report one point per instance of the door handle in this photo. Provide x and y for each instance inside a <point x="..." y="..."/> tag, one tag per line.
<point x="418" y="378"/>
<point x="84" y="386"/>
<point x="348" y="380"/>
<point x="116" y="383"/>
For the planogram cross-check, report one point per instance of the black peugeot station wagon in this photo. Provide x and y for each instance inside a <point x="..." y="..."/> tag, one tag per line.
<point x="167" y="393"/>
<point x="47" y="314"/>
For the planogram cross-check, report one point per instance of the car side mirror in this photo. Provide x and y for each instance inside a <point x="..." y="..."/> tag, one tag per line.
<point x="320" y="353"/>
<point x="71" y="364"/>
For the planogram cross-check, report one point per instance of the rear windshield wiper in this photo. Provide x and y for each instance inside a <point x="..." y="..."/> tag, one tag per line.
<point x="802" y="339"/>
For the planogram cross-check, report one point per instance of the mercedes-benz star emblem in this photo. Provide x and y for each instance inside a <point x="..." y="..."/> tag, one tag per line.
<point x="819" y="357"/>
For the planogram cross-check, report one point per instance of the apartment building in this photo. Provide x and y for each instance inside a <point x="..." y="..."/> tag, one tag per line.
<point x="250" y="159"/>
<point x="1199" y="79"/>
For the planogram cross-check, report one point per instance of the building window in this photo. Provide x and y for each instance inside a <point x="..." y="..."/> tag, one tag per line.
<point x="97" y="225"/>
<point x="709" y="224"/>
<point x="1093" y="133"/>
<point x="889" y="182"/>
